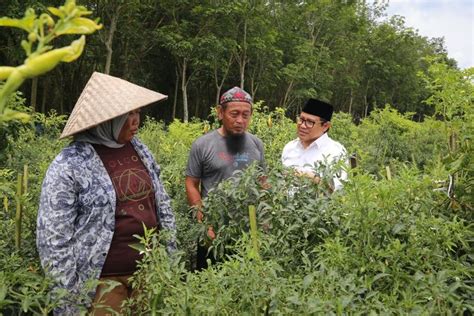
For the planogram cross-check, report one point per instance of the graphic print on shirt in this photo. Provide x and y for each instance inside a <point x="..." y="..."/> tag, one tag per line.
<point x="132" y="185"/>
<point x="239" y="159"/>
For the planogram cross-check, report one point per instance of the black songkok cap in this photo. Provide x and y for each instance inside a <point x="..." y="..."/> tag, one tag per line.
<point x="318" y="108"/>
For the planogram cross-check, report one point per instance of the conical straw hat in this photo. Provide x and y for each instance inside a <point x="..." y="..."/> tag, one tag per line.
<point x="104" y="98"/>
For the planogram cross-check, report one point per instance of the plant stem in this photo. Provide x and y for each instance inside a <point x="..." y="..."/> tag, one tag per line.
<point x="253" y="231"/>
<point x="18" y="215"/>
<point x="389" y="173"/>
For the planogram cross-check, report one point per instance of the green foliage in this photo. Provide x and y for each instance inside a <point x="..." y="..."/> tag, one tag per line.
<point x="453" y="99"/>
<point x="396" y="240"/>
<point x="16" y="103"/>
<point x="43" y="132"/>
<point x="372" y="249"/>
<point x="452" y="91"/>
<point x="387" y="137"/>
<point x="274" y="129"/>
<point x="41" y="57"/>
<point x="23" y="284"/>
<point x="170" y="146"/>
<point x="26" y="291"/>
<point x="283" y="52"/>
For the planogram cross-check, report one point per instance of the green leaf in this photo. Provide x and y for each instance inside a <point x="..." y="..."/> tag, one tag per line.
<point x="139" y="247"/>
<point x="26" y="45"/>
<point x="12" y="115"/>
<point x="56" y="12"/>
<point x="379" y="276"/>
<point x="79" y="26"/>
<point x="27" y="23"/>
<point x="76" y="49"/>
<point x="5" y="72"/>
<point x="307" y="281"/>
<point x="397" y="228"/>
<point x="3" y="292"/>
<point x="418" y="276"/>
<point x="294" y="300"/>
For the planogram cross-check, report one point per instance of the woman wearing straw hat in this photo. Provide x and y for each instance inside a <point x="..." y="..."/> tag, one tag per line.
<point x="99" y="192"/>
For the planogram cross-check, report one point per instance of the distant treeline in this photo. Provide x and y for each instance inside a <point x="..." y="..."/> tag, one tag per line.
<point x="344" y="51"/>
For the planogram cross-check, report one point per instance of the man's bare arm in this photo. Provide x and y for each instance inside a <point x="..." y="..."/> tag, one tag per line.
<point x="193" y="194"/>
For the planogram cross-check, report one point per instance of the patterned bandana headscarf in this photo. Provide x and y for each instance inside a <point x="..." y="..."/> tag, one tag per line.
<point x="236" y="95"/>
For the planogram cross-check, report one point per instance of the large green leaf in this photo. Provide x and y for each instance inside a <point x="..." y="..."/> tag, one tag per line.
<point x="78" y="26"/>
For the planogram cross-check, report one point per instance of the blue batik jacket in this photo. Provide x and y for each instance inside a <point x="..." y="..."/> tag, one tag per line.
<point x="76" y="217"/>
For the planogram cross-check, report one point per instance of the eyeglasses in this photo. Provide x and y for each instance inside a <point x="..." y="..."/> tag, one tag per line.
<point x="307" y="123"/>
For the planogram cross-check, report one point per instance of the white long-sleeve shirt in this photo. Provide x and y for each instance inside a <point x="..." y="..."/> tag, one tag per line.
<point x="323" y="151"/>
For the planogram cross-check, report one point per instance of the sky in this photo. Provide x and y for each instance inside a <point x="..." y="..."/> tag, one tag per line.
<point x="451" y="19"/>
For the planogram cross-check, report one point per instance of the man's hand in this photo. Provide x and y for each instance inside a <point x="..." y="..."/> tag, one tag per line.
<point x="264" y="183"/>
<point x="199" y="215"/>
<point x="308" y="174"/>
<point x="210" y="232"/>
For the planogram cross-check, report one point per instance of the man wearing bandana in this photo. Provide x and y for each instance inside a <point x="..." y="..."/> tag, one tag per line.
<point x="313" y="149"/>
<point x="214" y="157"/>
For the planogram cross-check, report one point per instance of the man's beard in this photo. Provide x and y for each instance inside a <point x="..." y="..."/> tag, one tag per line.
<point x="235" y="143"/>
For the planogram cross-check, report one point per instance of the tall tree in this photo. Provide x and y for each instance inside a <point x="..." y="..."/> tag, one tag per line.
<point x="181" y="36"/>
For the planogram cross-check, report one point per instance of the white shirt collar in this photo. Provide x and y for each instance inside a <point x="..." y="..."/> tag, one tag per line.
<point x="318" y="143"/>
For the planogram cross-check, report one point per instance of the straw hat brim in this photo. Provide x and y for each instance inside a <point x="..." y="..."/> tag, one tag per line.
<point x="104" y="98"/>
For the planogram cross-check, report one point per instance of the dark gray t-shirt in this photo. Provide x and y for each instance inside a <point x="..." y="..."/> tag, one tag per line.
<point x="214" y="158"/>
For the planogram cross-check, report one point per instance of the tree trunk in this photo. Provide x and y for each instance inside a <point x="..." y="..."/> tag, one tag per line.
<point x="253" y="84"/>
<point x="34" y="93"/>
<point x="314" y="35"/>
<point x="366" y="101"/>
<point x="197" y="102"/>
<point x="243" y="59"/>
<point x="110" y="39"/>
<point x="287" y="94"/>
<point x="253" y="89"/>
<point x="45" y="93"/>
<point x="224" y="76"/>
<point x="184" y="91"/>
<point x="175" y="101"/>
<point x="218" y="94"/>
<point x="60" y="79"/>
<point x="61" y="106"/>
<point x="126" y="67"/>
<point x="350" y="101"/>
<point x="218" y="86"/>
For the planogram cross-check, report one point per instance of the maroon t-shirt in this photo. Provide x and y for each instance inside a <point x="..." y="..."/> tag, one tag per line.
<point x="135" y="206"/>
